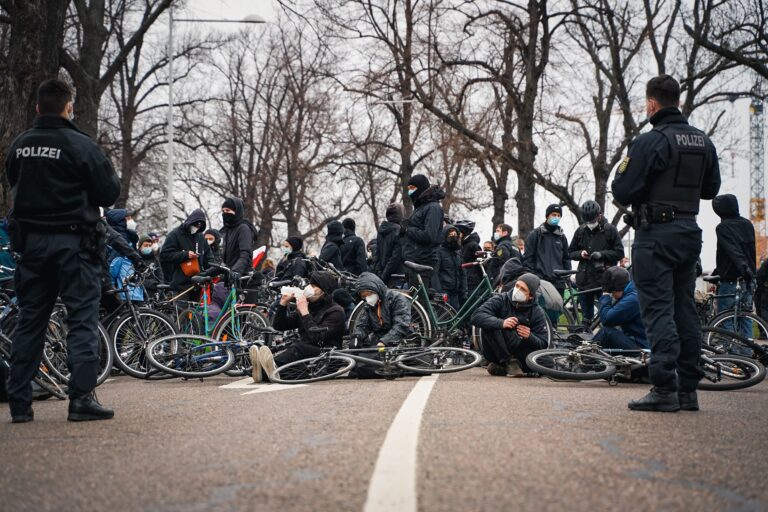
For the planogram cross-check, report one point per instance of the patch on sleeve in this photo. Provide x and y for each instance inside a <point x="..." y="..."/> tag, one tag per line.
<point x="623" y="165"/>
<point x="500" y="252"/>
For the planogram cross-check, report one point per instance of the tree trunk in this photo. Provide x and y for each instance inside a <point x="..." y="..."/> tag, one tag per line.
<point x="524" y="197"/>
<point x="500" y="197"/>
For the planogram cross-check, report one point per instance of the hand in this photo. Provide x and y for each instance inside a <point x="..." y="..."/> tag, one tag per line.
<point x="747" y="275"/>
<point x="234" y="277"/>
<point x="191" y="255"/>
<point x="139" y="266"/>
<point x="584" y="255"/>
<point x="523" y="331"/>
<point x="510" y="323"/>
<point x="302" y="306"/>
<point x="285" y="299"/>
<point x="597" y="255"/>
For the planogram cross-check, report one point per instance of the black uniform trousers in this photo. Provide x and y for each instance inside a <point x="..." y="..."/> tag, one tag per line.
<point x="664" y="272"/>
<point x="55" y="265"/>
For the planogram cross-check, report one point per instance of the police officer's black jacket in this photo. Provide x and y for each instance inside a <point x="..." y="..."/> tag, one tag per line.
<point x="603" y="239"/>
<point x="58" y="175"/>
<point x="176" y="249"/>
<point x="239" y="237"/>
<point x="673" y="165"/>
<point x="389" y="253"/>
<point x="470" y="246"/>
<point x="353" y="254"/>
<point x="505" y="250"/>
<point x="449" y="276"/>
<point x="423" y="234"/>
<point x="322" y="313"/>
<point x="735" y="240"/>
<point x="546" y="250"/>
<point x="292" y="265"/>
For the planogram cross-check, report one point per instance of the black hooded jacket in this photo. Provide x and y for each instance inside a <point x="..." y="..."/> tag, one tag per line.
<point x="505" y="250"/>
<point x="546" y="250"/>
<point x="389" y="252"/>
<point x="470" y="246"/>
<point x="494" y="311"/>
<point x="735" y="240"/>
<point x="423" y="235"/>
<point x="292" y="265"/>
<point x="322" y="313"/>
<point x="353" y="253"/>
<point x="390" y="319"/>
<point x="177" y="245"/>
<point x="604" y="239"/>
<point x="215" y="246"/>
<point x="331" y="250"/>
<point x="448" y="276"/>
<point x="239" y="237"/>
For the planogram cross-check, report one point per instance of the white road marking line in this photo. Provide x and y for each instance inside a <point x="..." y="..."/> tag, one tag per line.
<point x="393" y="484"/>
<point x="108" y="380"/>
<point x="247" y="383"/>
<point x="240" y="384"/>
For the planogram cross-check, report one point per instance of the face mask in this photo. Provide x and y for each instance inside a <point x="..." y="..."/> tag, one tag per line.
<point x="411" y="192"/>
<point x="496" y="237"/>
<point x="155" y="246"/>
<point x="554" y="221"/>
<point x="592" y="225"/>
<point x="286" y="250"/>
<point x="228" y="218"/>
<point x="372" y="300"/>
<point x="146" y="251"/>
<point x="193" y="229"/>
<point x="309" y="291"/>
<point x="131" y="225"/>
<point x="519" y="295"/>
<point x="210" y="242"/>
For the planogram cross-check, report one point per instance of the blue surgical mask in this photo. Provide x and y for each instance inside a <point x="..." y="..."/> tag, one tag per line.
<point x="496" y="237"/>
<point x="146" y="251"/>
<point x="286" y="250"/>
<point x="554" y="221"/>
<point x="411" y="192"/>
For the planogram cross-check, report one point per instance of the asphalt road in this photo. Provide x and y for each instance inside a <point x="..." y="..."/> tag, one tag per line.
<point x="484" y="443"/>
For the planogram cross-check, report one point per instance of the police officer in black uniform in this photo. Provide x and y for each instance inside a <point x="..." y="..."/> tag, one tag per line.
<point x="666" y="173"/>
<point x="59" y="177"/>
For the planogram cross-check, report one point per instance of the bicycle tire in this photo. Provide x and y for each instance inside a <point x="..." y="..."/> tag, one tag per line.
<point x="55" y="354"/>
<point x="313" y="369"/>
<point x="743" y="371"/>
<point x="420" y="322"/>
<point x="235" y="327"/>
<point x="762" y="336"/>
<point x="190" y="356"/>
<point x="553" y="363"/>
<point x="130" y="346"/>
<point x="42" y="378"/>
<point x="439" y="357"/>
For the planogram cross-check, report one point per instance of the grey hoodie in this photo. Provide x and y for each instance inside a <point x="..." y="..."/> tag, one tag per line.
<point x="390" y="320"/>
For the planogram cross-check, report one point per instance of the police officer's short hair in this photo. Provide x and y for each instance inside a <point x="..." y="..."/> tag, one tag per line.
<point x="52" y="97"/>
<point x="664" y="89"/>
<point x="505" y="227"/>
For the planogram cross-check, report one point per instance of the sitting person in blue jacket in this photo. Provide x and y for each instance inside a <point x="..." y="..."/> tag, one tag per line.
<point x="620" y="313"/>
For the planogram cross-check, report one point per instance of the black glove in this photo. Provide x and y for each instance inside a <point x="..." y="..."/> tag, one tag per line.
<point x="629" y="219"/>
<point x="597" y="255"/>
<point x="234" y="277"/>
<point x="138" y="264"/>
<point x="747" y="275"/>
<point x="404" y="226"/>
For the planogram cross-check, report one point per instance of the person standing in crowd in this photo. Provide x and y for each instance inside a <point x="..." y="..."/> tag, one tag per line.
<point x="213" y="238"/>
<point x="389" y="253"/>
<point x="761" y="290"/>
<point x="370" y="248"/>
<point x="666" y="172"/>
<point x="449" y="277"/>
<point x="470" y="246"/>
<point x="622" y="326"/>
<point x="331" y="250"/>
<point x="293" y="264"/>
<point x="155" y="275"/>
<point x="59" y="177"/>
<point x="505" y="250"/>
<point x="353" y="249"/>
<point x="489" y="246"/>
<point x="185" y="243"/>
<point x="520" y="244"/>
<point x="239" y="238"/>
<point x="268" y="269"/>
<point x="596" y="245"/>
<point x="735" y="258"/>
<point x="546" y="249"/>
<point x="422" y="232"/>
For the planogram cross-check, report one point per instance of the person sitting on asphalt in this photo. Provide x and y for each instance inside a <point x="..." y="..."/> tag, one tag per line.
<point x="387" y="316"/>
<point x="315" y="308"/>
<point x="512" y="326"/>
<point x="619" y="313"/>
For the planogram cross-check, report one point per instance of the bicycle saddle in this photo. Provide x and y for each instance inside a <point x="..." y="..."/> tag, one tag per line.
<point x="563" y="273"/>
<point x="201" y="279"/>
<point x="417" y="268"/>
<point x="711" y="279"/>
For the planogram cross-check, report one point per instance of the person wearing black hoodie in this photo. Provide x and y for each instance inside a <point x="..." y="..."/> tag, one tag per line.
<point x="213" y="237"/>
<point x="761" y="291"/>
<point x="449" y="278"/>
<point x="546" y="249"/>
<point x="422" y="232"/>
<point x="353" y="249"/>
<point x="239" y="237"/>
<point x="293" y="264"/>
<point x="331" y="250"/>
<point x="512" y="326"/>
<point x="182" y="244"/>
<point x="735" y="257"/>
<point x="389" y="252"/>
<point x="470" y="246"/>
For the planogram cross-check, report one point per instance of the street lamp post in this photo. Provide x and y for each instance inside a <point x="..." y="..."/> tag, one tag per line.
<point x="251" y="18"/>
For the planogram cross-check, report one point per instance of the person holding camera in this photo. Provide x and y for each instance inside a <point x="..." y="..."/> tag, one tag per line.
<point x="512" y="325"/>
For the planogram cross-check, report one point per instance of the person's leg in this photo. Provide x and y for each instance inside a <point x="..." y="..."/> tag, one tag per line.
<point x="521" y="349"/>
<point x="689" y="370"/>
<point x="745" y="324"/>
<point x="613" y="338"/>
<point x="296" y="352"/>
<point x="495" y="347"/>
<point x="726" y="303"/>
<point x="587" y="306"/>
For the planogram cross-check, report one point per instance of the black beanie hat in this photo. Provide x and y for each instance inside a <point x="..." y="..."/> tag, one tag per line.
<point x="335" y="228"/>
<point x="420" y="182"/>
<point x="395" y="213"/>
<point x="324" y="280"/>
<point x="295" y="242"/>
<point x="554" y="208"/>
<point x="349" y="224"/>
<point x="532" y="281"/>
<point x="229" y="203"/>
<point x="615" y="279"/>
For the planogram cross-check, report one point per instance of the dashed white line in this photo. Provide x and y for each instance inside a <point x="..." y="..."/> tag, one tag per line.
<point x="393" y="484"/>
<point x="247" y="383"/>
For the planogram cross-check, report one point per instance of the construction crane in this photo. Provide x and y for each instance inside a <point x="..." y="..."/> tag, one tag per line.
<point x="757" y="170"/>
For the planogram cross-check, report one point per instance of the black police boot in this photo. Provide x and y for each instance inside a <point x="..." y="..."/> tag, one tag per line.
<point x="657" y="400"/>
<point x="21" y="413"/>
<point x="87" y="408"/>
<point x="688" y="401"/>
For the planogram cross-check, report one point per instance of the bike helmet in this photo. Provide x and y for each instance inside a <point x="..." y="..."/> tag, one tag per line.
<point x="465" y="227"/>
<point x="590" y="210"/>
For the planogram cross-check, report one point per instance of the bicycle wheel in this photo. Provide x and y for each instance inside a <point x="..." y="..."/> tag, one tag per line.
<point x="130" y="337"/>
<point x="245" y="324"/>
<point x="55" y="353"/>
<point x="314" y="369"/>
<point x="439" y="360"/>
<point x="420" y="323"/>
<point x="42" y="378"/>
<point x="190" y="355"/>
<point x="570" y="364"/>
<point x="728" y="372"/>
<point x="728" y="322"/>
<point x="190" y="321"/>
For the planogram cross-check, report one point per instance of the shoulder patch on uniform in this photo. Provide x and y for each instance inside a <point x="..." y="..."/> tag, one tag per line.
<point x="500" y="252"/>
<point x="624" y="164"/>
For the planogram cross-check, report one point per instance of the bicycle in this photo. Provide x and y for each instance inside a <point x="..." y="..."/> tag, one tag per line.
<point x="571" y="307"/>
<point x="736" y="319"/>
<point x="42" y="378"/>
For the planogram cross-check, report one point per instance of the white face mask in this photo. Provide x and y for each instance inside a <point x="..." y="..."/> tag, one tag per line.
<point x="286" y="250"/>
<point x="210" y="242"/>
<point x="372" y="299"/>
<point x="194" y="229"/>
<point x="131" y="224"/>
<point x="309" y="291"/>
<point x="519" y="295"/>
<point x="592" y="225"/>
<point x="155" y="246"/>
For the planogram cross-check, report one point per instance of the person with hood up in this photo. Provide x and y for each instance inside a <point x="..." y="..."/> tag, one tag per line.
<point x="620" y="313"/>
<point x="449" y="277"/>
<point x="470" y="246"/>
<point x="503" y="251"/>
<point x="122" y="266"/>
<point x="213" y="237"/>
<point x="117" y="219"/>
<point x="154" y="277"/>
<point x="546" y="249"/>
<point x="761" y="290"/>
<point x="331" y="250"/>
<point x="315" y="308"/>
<point x="353" y="249"/>
<point x="387" y="316"/>
<point x="512" y="326"/>
<point x="735" y="258"/>
<point x="239" y="237"/>
<point x="389" y="252"/>
<point x="184" y="243"/>
<point x="422" y="232"/>
<point x="293" y="264"/>
<point x="370" y="248"/>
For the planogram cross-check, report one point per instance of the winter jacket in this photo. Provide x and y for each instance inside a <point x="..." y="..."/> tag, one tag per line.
<point x="505" y="250"/>
<point x="239" y="239"/>
<point x="121" y="269"/>
<point x="603" y="239"/>
<point x="761" y="292"/>
<point x="389" y="251"/>
<point x="116" y="220"/>
<point x="423" y="234"/>
<point x="292" y="265"/>
<point x="546" y="250"/>
<point x="216" y="252"/>
<point x="625" y="313"/>
<point x="390" y="319"/>
<point x="177" y="245"/>
<point x="331" y="250"/>
<point x="499" y="307"/>
<point x="449" y="276"/>
<point x="353" y="253"/>
<point x="470" y="246"/>
<point x="735" y="240"/>
<point x="155" y="276"/>
<point x="322" y="313"/>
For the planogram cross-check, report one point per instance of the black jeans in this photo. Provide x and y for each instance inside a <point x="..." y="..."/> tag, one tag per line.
<point x="297" y="351"/>
<point x="501" y="345"/>
<point x="55" y="265"/>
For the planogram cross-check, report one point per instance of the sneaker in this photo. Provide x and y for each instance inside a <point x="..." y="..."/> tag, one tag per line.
<point x="496" y="370"/>
<point x="266" y="361"/>
<point x="255" y="364"/>
<point x="513" y="368"/>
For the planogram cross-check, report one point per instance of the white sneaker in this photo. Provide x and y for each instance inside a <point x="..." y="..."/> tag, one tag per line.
<point x="255" y="363"/>
<point x="267" y="361"/>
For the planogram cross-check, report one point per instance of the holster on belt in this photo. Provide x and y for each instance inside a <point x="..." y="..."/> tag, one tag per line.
<point x="16" y="235"/>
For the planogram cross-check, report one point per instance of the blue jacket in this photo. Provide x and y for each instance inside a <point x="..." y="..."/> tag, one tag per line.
<point x="625" y="313"/>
